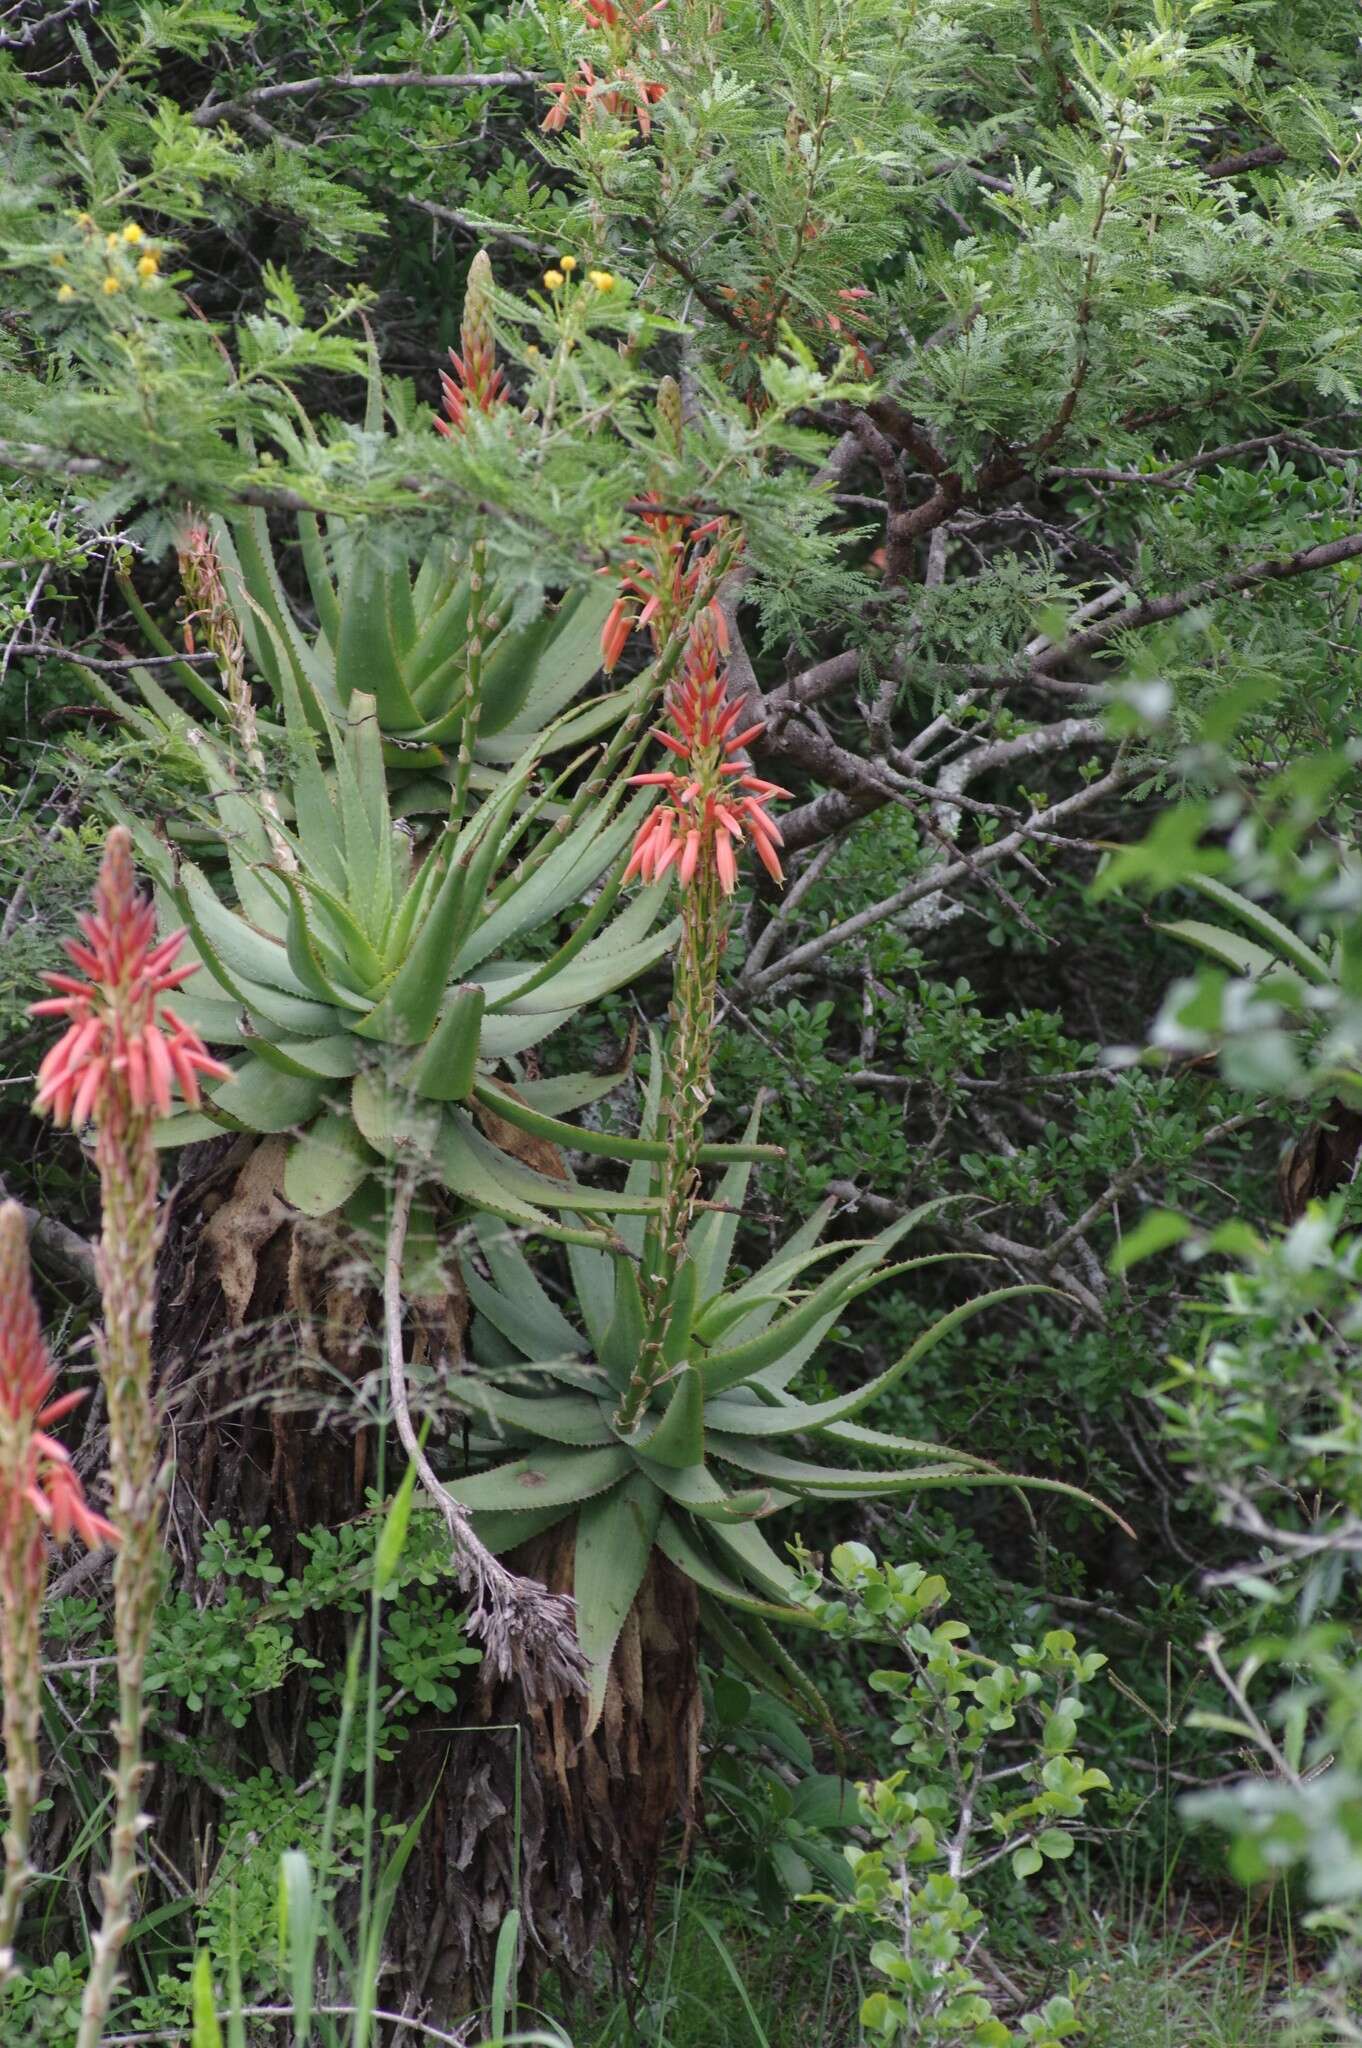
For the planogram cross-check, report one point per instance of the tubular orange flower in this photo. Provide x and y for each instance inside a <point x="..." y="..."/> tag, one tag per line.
<point x="38" y="1472"/>
<point x="118" y="1050"/>
<point x="660" y="584"/>
<point x="630" y="97"/>
<point x="477" y="383"/>
<point x="714" y="803"/>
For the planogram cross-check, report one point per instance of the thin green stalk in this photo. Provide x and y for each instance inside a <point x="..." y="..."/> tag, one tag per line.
<point x="480" y="627"/>
<point x="687" y="1089"/>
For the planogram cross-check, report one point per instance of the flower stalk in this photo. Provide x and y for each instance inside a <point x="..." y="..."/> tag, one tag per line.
<point x="40" y="1494"/>
<point x="211" y="612"/>
<point x="473" y="385"/>
<point x="710" y="805"/>
<point x="123" y="1050"/>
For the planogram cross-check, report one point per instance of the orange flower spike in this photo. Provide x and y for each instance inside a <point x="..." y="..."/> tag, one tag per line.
<point x="700" y="817"/>
<point x="39" y="1475"/>
<point x="477" y="384"/>
<point x="117" y="1053"/>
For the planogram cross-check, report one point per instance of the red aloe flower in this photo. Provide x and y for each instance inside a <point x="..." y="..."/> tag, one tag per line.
<point x="38" y="1475"/>
<point x="606" y="15"/>
<point x="477" y="383"/>
<point x="119" y="1051"/>
<point x="659" y="586"/>
<point x="714" y="803"/>
<point x="628" y="97"/>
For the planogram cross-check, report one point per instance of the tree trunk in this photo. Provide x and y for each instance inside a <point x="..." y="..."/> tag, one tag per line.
<point x="269" y="1326"/>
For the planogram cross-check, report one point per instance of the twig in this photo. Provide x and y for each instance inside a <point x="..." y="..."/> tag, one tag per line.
<point x="360" y="81"/>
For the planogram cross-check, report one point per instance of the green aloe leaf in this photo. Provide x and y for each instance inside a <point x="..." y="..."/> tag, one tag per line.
<point x="753" y="1648"/>
<point x="1231" y="949"/>
<point x="1274" y="934"/>
<point x="573" y="1137"/>
<point x="614" y="1542"/>
<point x="468" y="1166"/>
<point x="547" y="1478"/>
<point x="789" y="1417"/>
<point x="368" y="654"/>
<point x="713" y="1238"/>
<point x="326" y="1164"/>
<point x="514" y="1281"/>
<point x="568" y="662"/>
<point x="223" y="936"/>
<point x="680" y="1312"/>
<point x="318" y="574"/>
<point x="334" y="1058"/>
<point x="318" y="974"/>
<point x="735" y="1540"/>
<point x="503" y="1530"/>
<point x="396" y="1123"/>
<point x="624" y="1338"/>
<point x="446" y="1069"/>
<point x="819" y="1309"/>
<point x="262" y="1099"/>
<point x="407" y="1011"/>
<point x="686" y="1550"/>
<point x="678" y="1440"/>
<point x="540" y="1188"/>
<point x="551" y="1418"/>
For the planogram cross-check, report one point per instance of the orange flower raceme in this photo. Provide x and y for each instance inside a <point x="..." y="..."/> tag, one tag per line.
<point x="122" y="1047"/>
<point x="38" y="1475"/>
<point x="477" y="384"/>
<point x="714" y="803"/>
<point x="660" y="584"/>
<point x="611" y="18"/>
<point x="629" y="97"/>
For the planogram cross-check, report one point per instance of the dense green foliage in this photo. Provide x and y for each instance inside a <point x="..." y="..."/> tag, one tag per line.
<point x="1021" y="343"/>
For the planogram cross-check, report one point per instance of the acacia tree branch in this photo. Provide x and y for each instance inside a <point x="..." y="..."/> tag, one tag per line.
<point x="936" y="879"/>
<point x="24" y="38"/>
<point x="1155" y="610"/>
<point x="359" y="81"/>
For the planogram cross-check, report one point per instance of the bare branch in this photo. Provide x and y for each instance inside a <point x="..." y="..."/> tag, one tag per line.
<point x="360" y="81"/>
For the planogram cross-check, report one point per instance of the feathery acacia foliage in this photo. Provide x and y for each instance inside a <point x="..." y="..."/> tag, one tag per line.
<point x="1017" y="346"/>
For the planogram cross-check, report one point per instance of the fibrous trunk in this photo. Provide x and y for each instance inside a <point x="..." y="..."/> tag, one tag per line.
<point x="267" y="1334"/>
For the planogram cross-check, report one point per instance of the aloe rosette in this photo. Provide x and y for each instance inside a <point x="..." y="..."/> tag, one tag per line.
<point x="723" y="1442"/>
<point x="378" y="999"/>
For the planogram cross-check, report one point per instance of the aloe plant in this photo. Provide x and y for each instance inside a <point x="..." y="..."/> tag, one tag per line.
<point x="719" y="1448"/>
<point x="428" y="638"/>
<point x="374" y="994"/>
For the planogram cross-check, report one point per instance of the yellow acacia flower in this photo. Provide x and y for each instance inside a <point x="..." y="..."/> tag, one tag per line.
<point x="568" y="263"/>
<point x="111" y="285"/>
<point x="131" y="232"/>
<point x="553" y="278"/>
<point x="65" y="294"/>
<point x="603" y="280"/>
<point x="147" y="266"/>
